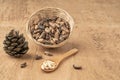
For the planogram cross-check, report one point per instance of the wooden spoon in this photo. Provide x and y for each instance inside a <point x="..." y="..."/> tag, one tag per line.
<point x="53" y="63"/>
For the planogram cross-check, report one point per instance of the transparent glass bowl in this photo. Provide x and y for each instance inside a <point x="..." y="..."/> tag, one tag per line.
<point x="49" y="12"/>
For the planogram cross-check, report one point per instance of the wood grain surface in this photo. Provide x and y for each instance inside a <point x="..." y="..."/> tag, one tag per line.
<point x="96" y="34"/>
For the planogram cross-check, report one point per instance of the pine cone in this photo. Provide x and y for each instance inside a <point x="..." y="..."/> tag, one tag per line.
<point x="15" y="44"/>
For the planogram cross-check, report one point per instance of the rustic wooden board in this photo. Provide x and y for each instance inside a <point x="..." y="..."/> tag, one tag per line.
<point x="96" y="34"/>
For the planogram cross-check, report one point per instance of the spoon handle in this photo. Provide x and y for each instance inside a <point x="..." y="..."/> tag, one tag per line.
<point x="69" y="53"/>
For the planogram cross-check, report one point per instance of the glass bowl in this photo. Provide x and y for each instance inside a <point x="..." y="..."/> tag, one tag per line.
<point x="49" y="12"/>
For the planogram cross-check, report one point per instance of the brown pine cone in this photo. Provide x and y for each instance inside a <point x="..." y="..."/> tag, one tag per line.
<point x="15" y="44"/>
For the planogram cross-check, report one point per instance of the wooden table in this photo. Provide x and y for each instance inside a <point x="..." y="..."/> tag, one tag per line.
<point x="96" y="34"/>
